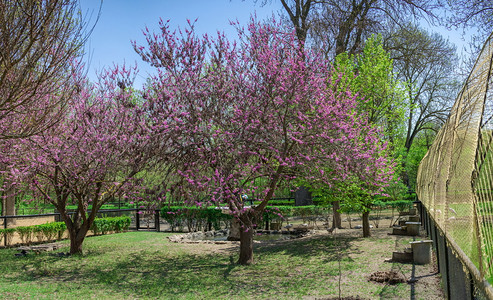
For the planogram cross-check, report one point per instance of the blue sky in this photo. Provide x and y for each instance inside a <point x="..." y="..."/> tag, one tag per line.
<point x="122" y="21"/>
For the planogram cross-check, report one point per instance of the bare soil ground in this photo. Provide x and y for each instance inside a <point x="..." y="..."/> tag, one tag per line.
<point x="369" y="255"/>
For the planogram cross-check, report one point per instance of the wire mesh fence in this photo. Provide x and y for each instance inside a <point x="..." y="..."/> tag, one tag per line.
<point x="455" y="178"/>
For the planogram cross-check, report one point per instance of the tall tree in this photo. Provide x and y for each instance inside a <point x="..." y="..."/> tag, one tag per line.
<point x="370" y="74"/>
<point x="40" y="42"/>
<point x="298" y="13"/>
<point x="336" y="26"/>
<point x="426" y="63"/>
<point x="468" y="14"/>
<point x="262" y="108"/>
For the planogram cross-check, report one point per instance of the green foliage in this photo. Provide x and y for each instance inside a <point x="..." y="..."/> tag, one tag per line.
<point x="55" y="230"/>
<point x="401" y="205"/>
<point x="52" y="230"/>
<point x="413" y="158"/>
<point x="396" y="191"/>
<point x="281" y="203"/>
<point x="281" y="213"/>
<point x="25" y="233"/>
<point x="370" y="74"/>
<point x="105" y="225"/>
<point x="196" y="218"/>
<point x="353" y="199"/>
<point x="7" y="234"/>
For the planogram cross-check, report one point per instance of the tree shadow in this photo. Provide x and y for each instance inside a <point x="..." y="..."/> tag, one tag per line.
<point x="161" y="274"/>
<point x="328" y="246"/>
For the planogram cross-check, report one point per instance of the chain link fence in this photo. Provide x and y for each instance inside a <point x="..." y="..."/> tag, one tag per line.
<point x="455" y="178"/>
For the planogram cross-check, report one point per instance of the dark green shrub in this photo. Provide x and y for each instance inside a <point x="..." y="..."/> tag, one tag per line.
<point x="38" y="233"/>
<point x="60" y="229"/>
<point x="281" y="203"/>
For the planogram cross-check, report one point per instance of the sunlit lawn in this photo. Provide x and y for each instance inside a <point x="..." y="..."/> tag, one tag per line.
<point x="145" y="265"/>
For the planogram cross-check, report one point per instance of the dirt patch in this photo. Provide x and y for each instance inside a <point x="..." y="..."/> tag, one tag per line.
<point x="342" y="298"/>
<point x="367" y="256"/>
<point x="390" y="277"/>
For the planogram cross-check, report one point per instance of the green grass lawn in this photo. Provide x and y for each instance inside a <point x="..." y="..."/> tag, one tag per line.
<point x="145" y="265"/>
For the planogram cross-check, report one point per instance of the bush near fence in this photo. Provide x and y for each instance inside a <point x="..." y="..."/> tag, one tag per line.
<point x="55" y="230"/>
<point x="196" y="218"/>
<point x="115" y="224"/>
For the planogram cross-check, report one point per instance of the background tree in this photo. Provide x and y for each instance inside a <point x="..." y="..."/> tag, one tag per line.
<point x="371" y="75"/>
<point x="472" y="14"/>
<point x="40" y="42"/>
<point x="335" y="26"/>
<point x="426" y="63"/>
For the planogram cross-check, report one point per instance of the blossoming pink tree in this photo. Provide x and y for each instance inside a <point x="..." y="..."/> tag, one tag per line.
<point x="94" y="153"/>
<point x="260" y="108"/>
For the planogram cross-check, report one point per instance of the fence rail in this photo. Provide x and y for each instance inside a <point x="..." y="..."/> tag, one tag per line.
<point x="141" y="219"/>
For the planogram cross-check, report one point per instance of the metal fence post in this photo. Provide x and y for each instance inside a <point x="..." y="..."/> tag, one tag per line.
<point x="156" y="220"/>
<point x="137" y="220"/>
<point x="5" y="226"/>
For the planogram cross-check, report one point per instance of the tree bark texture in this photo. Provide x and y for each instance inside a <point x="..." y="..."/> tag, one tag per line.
<point x="8" y="205"/>
<point x="246" y="239"/>
<point x="77" y="231"/>
<point x="366" y="224"/>
<point x="76" y="243"/>
<point x="336" y="220"/>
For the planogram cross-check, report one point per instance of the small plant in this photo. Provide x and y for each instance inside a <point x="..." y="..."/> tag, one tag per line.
<point x="60" y="229"/>
<point x="25" y="233"/>
<point x="8" y="235"/>
<point x="377" y="208"/>
<point x="49" y="230"/>
<point x="38" y="232"/>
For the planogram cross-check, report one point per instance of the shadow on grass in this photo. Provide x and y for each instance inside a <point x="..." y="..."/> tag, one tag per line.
<point x="156" y="273"/>
<point x="327" y="246"/>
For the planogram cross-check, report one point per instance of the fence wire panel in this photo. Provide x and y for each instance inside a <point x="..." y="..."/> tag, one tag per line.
<point x="455" y="178"/>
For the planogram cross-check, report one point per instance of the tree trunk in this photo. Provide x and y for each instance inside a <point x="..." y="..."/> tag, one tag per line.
<point x="8" y="204"/>
<point x="246" y="239"/>
<point x="246" y="247"/>
<point x="76" y="244"/>
<point x="336" y="220"/>
<point x="366" y="224"/>
<point x="234" y="230"/>
<point x="77" y="232"/>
